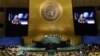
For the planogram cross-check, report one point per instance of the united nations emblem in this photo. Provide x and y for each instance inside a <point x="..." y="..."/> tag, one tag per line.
<point x="50" y="11"/>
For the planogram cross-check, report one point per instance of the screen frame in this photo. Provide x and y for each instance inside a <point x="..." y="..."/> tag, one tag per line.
<point x="17" y="10"/>
<point x="84" y="9"/>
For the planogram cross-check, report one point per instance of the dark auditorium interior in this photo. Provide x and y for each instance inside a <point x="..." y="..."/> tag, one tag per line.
<point x="49" y="28"/>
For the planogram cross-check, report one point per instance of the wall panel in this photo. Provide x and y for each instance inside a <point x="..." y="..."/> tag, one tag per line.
<point x="14" y="3"/>
<point x="38" y="26"/>
<point x="78" y="3"/>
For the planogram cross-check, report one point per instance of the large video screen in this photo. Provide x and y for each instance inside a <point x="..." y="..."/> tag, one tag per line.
<point x="20" y="18"/>
<point x="84" y="20"/>
<point x="85" y="17"/>
<point x="17" y="21"/>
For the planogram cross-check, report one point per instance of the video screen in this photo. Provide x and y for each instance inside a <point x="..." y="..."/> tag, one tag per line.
<point x="84" y="17"/>
<point x="18" y="18"/>
<point x="84" y="20"/>
<point x="17" y="21"/>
